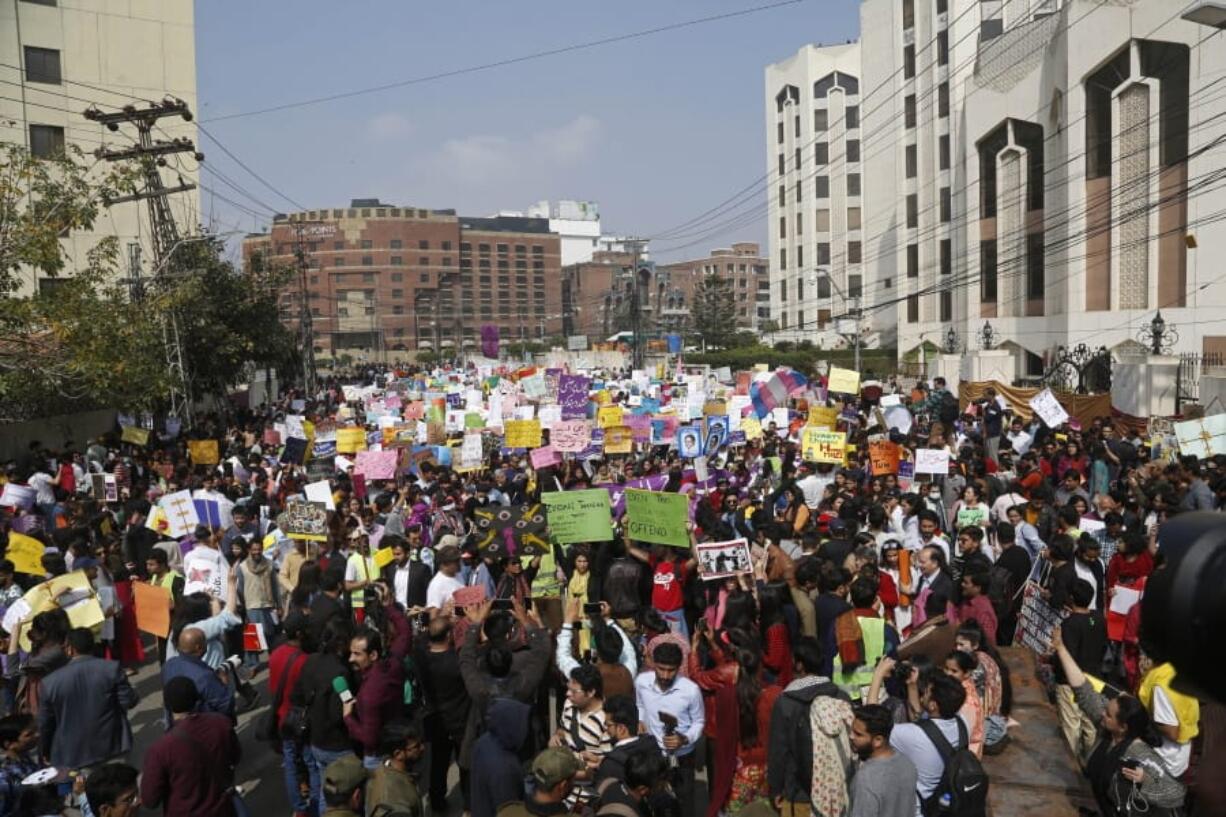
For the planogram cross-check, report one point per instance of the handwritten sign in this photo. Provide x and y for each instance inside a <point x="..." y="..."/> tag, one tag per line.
<point x="26" y="554"/>
<point x="883" y="457"/>
<point x="572" y="396"/>
<point x="545" y="457"/>
<point x="350" y="440"/>
<point x="471" y="452"/>
<point x="523" y="433"/>
<point x="1037" y="620"/>
<point x="931" y="461"/>
<point x="377" y="464"/>
<point x="1049" y="409"/>
<point x="843" y="381"/>
<point x="578" y="516"/>
<point x="609" y="416"/>
<point x="618" y="440"/>
<point x="656" y="516"/>
<point x="823" y="416"/>
<point x="822" y="446"/>
<point x="571" y="436"/>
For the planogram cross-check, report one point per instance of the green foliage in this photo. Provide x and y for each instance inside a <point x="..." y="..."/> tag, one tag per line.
<point x="714" y="314"/>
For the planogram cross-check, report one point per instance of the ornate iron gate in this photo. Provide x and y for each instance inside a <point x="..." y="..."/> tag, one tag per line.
<point x="1079" y="369"/>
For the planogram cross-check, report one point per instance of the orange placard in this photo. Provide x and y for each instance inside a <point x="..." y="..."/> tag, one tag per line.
<point x="152" y="608"/>
<point x="884" y="456"/>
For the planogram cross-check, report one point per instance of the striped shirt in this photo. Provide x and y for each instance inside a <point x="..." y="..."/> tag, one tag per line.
<point x="584" y="731"/>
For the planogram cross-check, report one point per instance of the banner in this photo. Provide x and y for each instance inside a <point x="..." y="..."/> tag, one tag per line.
<point x="578" y="516"/>
<point x="1037" y="620"/>
<point x="522" y="433"/>
<point x="822" y="446"/>
<point x="203" y="452"/>
<point x="655" y="516"/>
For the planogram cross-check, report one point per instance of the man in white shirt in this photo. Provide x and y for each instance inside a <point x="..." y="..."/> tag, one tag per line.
<point x="813" y="486"/>
<point x="445" y="582"/>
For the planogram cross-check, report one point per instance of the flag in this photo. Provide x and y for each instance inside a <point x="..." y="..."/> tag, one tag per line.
<point x="489" y="340"/>
<point x="775" y="391"/>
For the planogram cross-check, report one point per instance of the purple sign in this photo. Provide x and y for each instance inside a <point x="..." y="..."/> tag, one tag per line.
<point x="617" y="493"/>
<point x="489" y="340"/>
<point x="572" y="396"/>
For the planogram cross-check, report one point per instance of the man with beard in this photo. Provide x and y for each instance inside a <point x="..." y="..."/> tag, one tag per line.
<point x="672" y="710"/>
<point x="884" y="785"/>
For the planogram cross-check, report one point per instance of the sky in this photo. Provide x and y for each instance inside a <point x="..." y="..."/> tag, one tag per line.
<point x="657" y="129"/>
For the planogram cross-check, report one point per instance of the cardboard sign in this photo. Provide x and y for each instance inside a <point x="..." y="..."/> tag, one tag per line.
<point x="350" y="440"/>
<point x="931" y="461"/>
<point x="181" y="518"/>
<point x="152" y="608"/>
<point x="511" y="530"/>
<point x="718" y="560"/>
<point x="545" y="457"/>
<point x="843" y="381"/>
<point x="203" y="452"/>
<point x="377" y="464"/>
<point x="578" y="516"/>
<point x="26" y="554"/>
<point x="883" y="457"/>
<point x="570" y="436"/>
<point x="618" y="440"/>
<point x="655" y="516"/>
<point x="522" y="433"/>
<point x="304" y="520"/>
<point x="609" y="416"/>
<point x="1037" y="620"/>
<point x="1049" y="409"/>
<point x="822" y="446"/>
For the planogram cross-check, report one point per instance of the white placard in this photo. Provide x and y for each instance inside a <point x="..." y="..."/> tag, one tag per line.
<point x="181" y="518"/>
<point x="1049" y="409"/>
<point x="931" y="461"/>
<point x="320" y="492"/>
<point x="470" y="451"/>
<point x="1124" y="599"/>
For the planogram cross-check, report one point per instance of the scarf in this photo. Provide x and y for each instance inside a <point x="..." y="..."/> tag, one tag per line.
<point x="850" y="640"/>
<point x="830" y="719"/>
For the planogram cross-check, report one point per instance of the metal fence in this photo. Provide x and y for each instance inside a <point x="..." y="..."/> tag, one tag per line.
<point x="1191" y="366"/>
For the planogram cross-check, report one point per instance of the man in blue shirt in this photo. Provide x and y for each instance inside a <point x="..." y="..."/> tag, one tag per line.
<point x="671" y="709"/>
<point x="214" y="694"/>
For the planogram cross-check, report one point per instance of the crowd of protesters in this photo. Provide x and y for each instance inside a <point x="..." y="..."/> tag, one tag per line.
<point x="854" y="668"/>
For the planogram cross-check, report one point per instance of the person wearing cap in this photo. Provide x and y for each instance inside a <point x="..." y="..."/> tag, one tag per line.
<point x="342" y="785"/>
<point x="445" y="582"/>
<point x="553" y="777"/>
<point x="392" y="786"/>
<point x="190" y="769"/>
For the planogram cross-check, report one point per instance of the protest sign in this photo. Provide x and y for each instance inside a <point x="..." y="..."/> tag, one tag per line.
<point x="152" y="608"/>
<point x="823" y="416"/>
<point x="545" y="457"/>
<point x="1049" y="409"/>
<point x="18" y="496"/>
<point x="822" y="446"/>
<point x="655" y="516"/>
<point x="377" y="464"/>
<point x="205" y="570"/>
<point x="572" y="396"/>
<point x="1037" y="620"/>
<point x="294" y="452"/>
<point x="751" y="427"/>
<point x="883" y="457"/>
<point x="843" y="381"/>
<point x="134" y="435"/>
<point x="718" y="560"/>
<point x="181" y="518"/>
<point x="570" y="435"/>
<point x="203" y="452"/>
<point x="609" y="416"/>
<point x="471" y="453"/>
<point x="26" y="554"/>
<point x="1203" y="438"/>
<point x="618" y="440"/>
<point x="578" y="516"/>
<point x="522" y="433"/>
<point x="511" y="530"/>
<point x="321" y="493"/>
<point x="931" y="461"/>
<point x="350" y="440"/>
<point x="469" y="596"/>
<point x="689" y="441"/>
<point x="304" y="520"/>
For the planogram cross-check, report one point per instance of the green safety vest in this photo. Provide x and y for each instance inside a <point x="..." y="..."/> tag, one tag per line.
<point x="872" y="630"/>
<point x="546" y="583"/>
<point x="168" y="580"/>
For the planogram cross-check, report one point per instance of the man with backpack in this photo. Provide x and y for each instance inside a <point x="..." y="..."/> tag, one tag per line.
<point x="951" y="781"/>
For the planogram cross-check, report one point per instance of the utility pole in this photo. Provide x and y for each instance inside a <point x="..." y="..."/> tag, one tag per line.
<point x="163" y="230"/>
<point x="306" y="327"/>
<point x="636" y="302"/>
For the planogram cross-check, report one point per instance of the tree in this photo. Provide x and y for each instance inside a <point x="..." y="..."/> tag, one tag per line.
<point x="714" y="313"/>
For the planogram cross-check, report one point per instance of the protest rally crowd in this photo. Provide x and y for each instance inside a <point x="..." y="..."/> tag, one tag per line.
<point x="602" y="592"/>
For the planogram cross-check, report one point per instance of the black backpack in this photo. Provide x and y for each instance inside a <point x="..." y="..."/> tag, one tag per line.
<point x="948" y="410"/>
<point x="1002" y="591"/>
<point x="963" y="790"/>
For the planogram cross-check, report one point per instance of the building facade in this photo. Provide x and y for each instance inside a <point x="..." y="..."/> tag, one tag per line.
<point x="57" y="59"/>
<point x="742" y="265"/>
<point x="382" y="280"/>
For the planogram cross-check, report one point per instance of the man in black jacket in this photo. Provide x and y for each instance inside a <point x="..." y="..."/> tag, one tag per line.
<point x="318" y="688"/>
<point x="789" y="751"/>
<point x="409" y="579"/>
<point x="621" y="720"/>
<point x="970" y="558"/>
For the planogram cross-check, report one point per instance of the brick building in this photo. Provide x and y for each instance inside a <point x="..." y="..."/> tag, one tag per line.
<point x="743" y="265"/>
<point x="383" y="280"/>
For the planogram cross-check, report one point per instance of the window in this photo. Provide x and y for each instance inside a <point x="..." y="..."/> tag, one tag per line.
<point x="991" y="29"/>
<point x="800" y="257"/>
<point x="484" y="249"/>
<point x="46" y="141"/>
<point x="782" y="169"/>
<point x="908" y="61"/>
<point x="821" y="120"/>
<point x="912" y="210"/>
<point x="397" y="261"/>
<point x="446" y="245"/>
<point x="853" y="116"/>
<point x="783" y="290"/>
<point x="912" y="309"/>
<point x="1034" y="266"/>
<point x="823" y="254"/>
<point x="800" y="230"/>
<point x="395" y="243"/>
<point x="908" y="13"/>
<point x="338" y="261"/>
<point x="853" y="218"/>
<point x="397" y="277"/>
<point x="946" y="205"/>
<point x="425" y="278"/>
<point x="855" y="286"/>
<point x="911" y="161"/>
<point x="947" y="256"/>
<point x="797" y="159"/>
<point x="447" y="262"/>
<point x="909" y="111"/>
<point x="368" y="278"/>
<point x="779" y="133"/>
<point x="823" y="221"/>
<point x="40" y="2"/>
<point x="943" y="151"/>
<point x="314" y="280"/>
<point x="783" y="259"/>
<point x="397" y="309"/>
<point x="423" y="261"/>
<point x="942" y="48"/>
<point x="823" y="187"/>
<point x="783" y="226"/>
<point x="799" y="195"/>
<point x="947" y="305"/>
<point x="423" y="245"/>
<point x="853" y="252"/>
<point x="942" y="6"/>
<point x="368" y="261"/>
<point x="823" y="286"/>
<point x="366" y="245"/>
<point x="913" y="260"/>
<point x="796" y="125"/>
<point x="821" y="154"/>
<point x="338" y="245"/>
<point x="987" y="266"/>
<point x="943" y="99"/>
<point x="783" y="195"/>
<point x="853" y="184"/>
<point x="397" y="293"/>
<point x="43" y="65"/>
<point x="800" y="289"/>
<point x="853" y="150"/>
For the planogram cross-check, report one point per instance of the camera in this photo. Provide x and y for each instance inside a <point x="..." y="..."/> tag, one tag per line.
<point x="670" y="723"/>
<point x="591" y="608"/>
<point x="902" y="671"/>
<point x="1183" y="610"/>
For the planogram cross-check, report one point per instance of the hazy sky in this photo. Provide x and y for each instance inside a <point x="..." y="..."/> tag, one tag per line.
<point x="656" y="129"/>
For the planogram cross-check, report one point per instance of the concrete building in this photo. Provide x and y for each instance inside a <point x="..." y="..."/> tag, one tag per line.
<point x="384" y="280"/>
<point x="577" y="224"/>
<point x="816" y="192"/>
<point x="745" y="268"/>
<point x="59" y="58"/>
<point x="1048" y="168"/>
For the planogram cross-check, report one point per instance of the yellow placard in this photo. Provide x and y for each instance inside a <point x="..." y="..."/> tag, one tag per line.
<point x="843" y="381"/>
<point x="822" y="446"/>
<point x="618" y="440"/>
<point x="609" y="416"/>
<point x="714" y="408"/>
<point x="826" y="416"/>
<point x="522" y="433"/>
<point x="752" y="427"/>
<point x="383" y="557"/>
<point x="81" y="604"/>
<point x="26" y="554"/>
<point x="134" y="435"/>
<point x="350" y="440"/>
<point x="203" y="452"/>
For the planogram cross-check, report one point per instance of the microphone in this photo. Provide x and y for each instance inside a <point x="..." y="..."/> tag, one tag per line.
<point x="341" y="687"/>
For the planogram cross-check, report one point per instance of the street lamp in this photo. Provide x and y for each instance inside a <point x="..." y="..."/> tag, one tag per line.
<point x="987" y="337"/>
<point x="1158" y="335"/>
<point x="952" y="342"/>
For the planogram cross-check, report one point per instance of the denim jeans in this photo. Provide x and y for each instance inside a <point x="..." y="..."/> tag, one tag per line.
<point x="317" y="762"/>
<point x="291" y="756"/>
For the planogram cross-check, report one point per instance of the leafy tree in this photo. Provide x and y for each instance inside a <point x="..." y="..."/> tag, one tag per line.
<point x="714" y="312"/>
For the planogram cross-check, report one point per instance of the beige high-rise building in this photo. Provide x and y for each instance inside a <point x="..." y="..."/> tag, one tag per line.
<point x="59" y="57"/>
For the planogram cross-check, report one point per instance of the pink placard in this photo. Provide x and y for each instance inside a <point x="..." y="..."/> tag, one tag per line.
<point x="545" y="457"/>
<point x="377" y="464"/>
<point x="570" y="436"/>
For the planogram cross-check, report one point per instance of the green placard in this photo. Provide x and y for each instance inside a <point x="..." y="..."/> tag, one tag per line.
<point x="578" y="516"/>
<point x="656" y="516"/>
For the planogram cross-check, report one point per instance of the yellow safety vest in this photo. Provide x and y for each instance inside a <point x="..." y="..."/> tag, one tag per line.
<point x="1187" y="708"/>
<point x="872" y="630"/>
